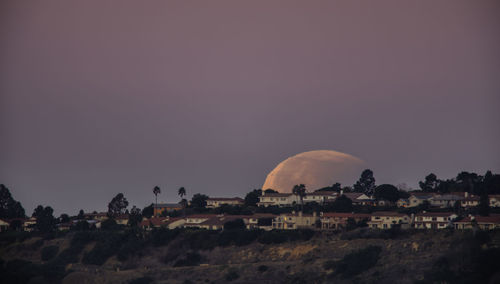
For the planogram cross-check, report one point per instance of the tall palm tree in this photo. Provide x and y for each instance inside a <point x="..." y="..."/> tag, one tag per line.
<point x="182" y="192"/>
<point x="156" y="191"/>
<point x="300" y="190"/>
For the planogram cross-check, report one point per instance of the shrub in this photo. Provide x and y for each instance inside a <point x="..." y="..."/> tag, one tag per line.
<point x="49" y="252"/>
<point x="359" y="261"/>
<point x="108" y="245"/>
<point x="235" y="224"/>
<point x="232" y="275"/>
<point x="191" y="259"/>
<point x="262" y="268"/>
<point x="329" y="264"/>
<point x="141" y="280"/>
<point x="163" y="236"/>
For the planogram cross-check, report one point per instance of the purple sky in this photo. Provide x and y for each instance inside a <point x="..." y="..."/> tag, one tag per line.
<point x="101" y="97"/>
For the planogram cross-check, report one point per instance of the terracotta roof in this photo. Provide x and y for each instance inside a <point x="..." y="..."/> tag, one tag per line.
<point x="276" y="194"/>
<point x="346" y="215"/>
<point x="434" y="214"/>
<point x="226" y="199"/>
<point x="388" y="213"/>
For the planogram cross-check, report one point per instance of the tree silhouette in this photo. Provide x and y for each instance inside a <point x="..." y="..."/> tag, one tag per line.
<point x="156" y="191"/>
<point x="182" y="192"/>
<point x="9" y="207"/>
<point x="366" y="183"/>
<point x="117" y="205"/>
<point x="300" y="191"/>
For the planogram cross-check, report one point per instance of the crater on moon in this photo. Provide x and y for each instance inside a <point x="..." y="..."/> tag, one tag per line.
<point x="315" y="169"/>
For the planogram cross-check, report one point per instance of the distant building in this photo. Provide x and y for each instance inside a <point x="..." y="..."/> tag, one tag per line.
<point x="166" y="207"/>
<point x="278" y="199"/>
<point x="482" y="222"/>
<point x="338" y="221"/>
<point x="494" y="200"/>
<point x="434" y="220"/>
<point x="387" y="220"/>
<point x="358" y="198"/>
<point x="158" y="222"/>
<point x="4" y="225"/>
<point x="446" y="200"/>
<point x="219" y="201"/>
<point x="417" y="199"/>
<point x="294" y="220"/>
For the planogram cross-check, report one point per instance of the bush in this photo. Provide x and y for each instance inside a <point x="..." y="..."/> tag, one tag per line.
<point x="108" y="245"/>
<point x="163" y="236"/>
<point x="359" y="261"/>
<point x="262" y="268"/>
<point x="329" y="264"/>
<point x="49" y="252"/>
<point x="232" y="275"/>
<point x="234" y="225"/>
<point x="141" y="280"/>
<point x="191" y="259"/>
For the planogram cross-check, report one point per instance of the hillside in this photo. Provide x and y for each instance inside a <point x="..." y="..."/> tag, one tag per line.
<point x="359" y="256"/>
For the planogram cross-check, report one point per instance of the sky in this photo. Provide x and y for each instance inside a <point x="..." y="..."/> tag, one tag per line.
<point x="102" y="97"/>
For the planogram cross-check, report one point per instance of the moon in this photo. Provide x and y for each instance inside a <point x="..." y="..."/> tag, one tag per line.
<point x="315" y="169"/>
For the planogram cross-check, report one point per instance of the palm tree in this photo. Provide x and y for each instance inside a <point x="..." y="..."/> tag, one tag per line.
<point x="182" y="192"/>
<point x="300" y="190"/>
<point x="156" y="191"/>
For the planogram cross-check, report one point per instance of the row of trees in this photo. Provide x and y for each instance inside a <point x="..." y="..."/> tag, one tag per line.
<point x="463" y="182"/>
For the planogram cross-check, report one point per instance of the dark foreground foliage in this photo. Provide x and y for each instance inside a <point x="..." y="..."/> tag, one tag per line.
<point x="357" y="262"/>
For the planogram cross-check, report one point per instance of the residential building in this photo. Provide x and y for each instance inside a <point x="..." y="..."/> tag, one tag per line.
<point x="470" y="201"/>
<point x="157" y="222"/>
<point x="403" y="202"/>
<point x="337" y="221"/>
<point x="434" y="220"/>
<point x="359" y="198"/>
<point x="259" y="221"/>
<point x="166" y="207"/>
<point x="491" y="222"/>
<point x="417" y="199"/>
<point x="494" y="200"/>
<point x="194" y="221"/>
<point x="320" y="196"/>
<point x="387" y="220"/>
<point x="4" y="225"/>
<point x="278" y="199"/>
<point x="446" y="200"/>
<point x="295" y="220"/>
<point x="218" y="201"/>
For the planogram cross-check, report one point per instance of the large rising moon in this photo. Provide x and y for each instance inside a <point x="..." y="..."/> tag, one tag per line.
<point x="315" y="169"/>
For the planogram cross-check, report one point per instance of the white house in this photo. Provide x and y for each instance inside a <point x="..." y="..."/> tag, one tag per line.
<point x="218" y="201"/>
<point x="434" y="220"/>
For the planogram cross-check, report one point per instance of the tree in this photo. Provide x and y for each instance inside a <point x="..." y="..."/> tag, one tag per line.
<point x="366" y="183"/>
<point x="236" y="224"/>
<point x="134" y="217"/>
<point x="117" y="205"/>
<point x="430" y="184"/>
<point x="337" y="187"/>
<point x="9" y="207"/>
<point x="64" y="218"/>
<point x="45" y="221"/>
<point x="342" y="204"/>
<point x="387" y="192"/>
<point x="484" y="205"/>
<point x="269" y="190"/>
<point x="252" y="198"/>
<point x="300" y="191"/>
<point x="182" y="192"/>
<point x="199" y="200"/>
<point x="156" y="191"/>
<point x="81" y="215"/>
<point x="148" y="211"/>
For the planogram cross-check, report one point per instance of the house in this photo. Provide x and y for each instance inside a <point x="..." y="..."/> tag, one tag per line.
<point x="320" y="197"/>
<point x="278" y="199"/>
<point x="64" y="226"/>
<point x="387" y="220"/>
<point x="194" y="221"/>
<point x="434" y="220"/>
<point x="446" y="200"/>
<point x="291" y="221"/>
<point x="403" y="202"/>
<point x="259" y="221"/>
<point x="417" y="199"/>
<point x="100" y="216"/>
<point x="157" y="222"/>
<point x="122" y="219"/>
<point x="4" y="225"/>
<point x="470" y="201"/>
<point x="29" y="224"/>
<point x="337" y="221"/>
<point x="494" y="200"/>
<point x="482" y="222"/>
<point x="218" y="201"/>
<point x="358" y="198"/>
<point x="166" y="207"/>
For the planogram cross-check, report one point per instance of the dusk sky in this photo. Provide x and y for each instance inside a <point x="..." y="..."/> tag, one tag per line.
<point x="102" y="97"/>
